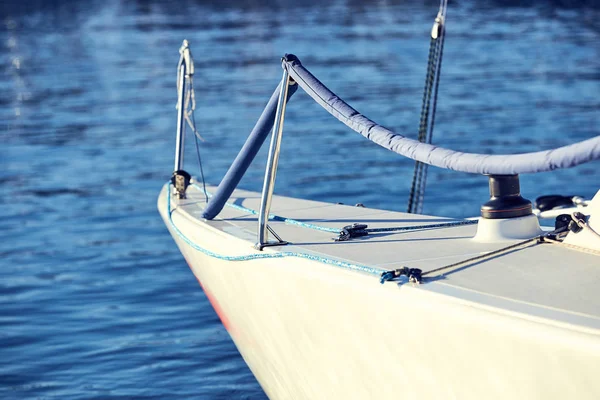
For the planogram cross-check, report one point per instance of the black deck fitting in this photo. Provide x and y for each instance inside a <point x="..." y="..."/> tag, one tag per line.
<point x="181" y="180"/>
<point x="505" y="199"/>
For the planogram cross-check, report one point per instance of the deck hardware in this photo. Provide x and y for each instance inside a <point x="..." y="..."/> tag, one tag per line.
<point x="181" y="181"/>
<point x="272" y="161"/>
<point x="550" y="202"/>
<point x="569" y="222"/>
<point x="505" y="199"/>
<point x="356" y="230"/>
<point x="279" y="242"/>
<point x="181" y="78"/>
<point x="578" y="222"/>
<point x="413" y="275"/>
<point x="352" y="231"/>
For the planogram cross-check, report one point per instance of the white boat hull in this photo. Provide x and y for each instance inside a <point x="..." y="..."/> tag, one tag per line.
<point x="312" y="331"/>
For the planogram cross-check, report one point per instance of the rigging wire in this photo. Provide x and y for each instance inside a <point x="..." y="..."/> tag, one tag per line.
<point x="200" y="164"/>
<point x="190" y="105"/>
<point x="427" y="119"/>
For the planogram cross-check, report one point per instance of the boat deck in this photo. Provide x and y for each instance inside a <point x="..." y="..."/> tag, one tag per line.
<point x="544" y="281"/>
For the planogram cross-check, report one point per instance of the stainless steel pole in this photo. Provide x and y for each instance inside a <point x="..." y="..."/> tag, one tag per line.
<point x="272" y="161"/>
<point x="180" y="117"/>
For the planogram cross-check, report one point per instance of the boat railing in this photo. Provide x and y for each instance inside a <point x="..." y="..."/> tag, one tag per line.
<point x="296" y="75"/>
<point x="272" y="162"/>
<point x="185" y="68"/>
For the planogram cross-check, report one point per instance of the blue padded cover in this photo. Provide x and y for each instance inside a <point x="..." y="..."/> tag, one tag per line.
<point x="246" y="155"/>
<point x="562" y="157"/>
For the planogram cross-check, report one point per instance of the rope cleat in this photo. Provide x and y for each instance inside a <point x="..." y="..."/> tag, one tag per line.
<point x="352" y="231"/>
<point x="414" y="275"/>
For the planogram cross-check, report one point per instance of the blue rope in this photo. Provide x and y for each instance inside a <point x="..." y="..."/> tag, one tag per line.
<point x="257" y="256"/>
<point x="337" y="231"/>
<point x="278" y="218"/>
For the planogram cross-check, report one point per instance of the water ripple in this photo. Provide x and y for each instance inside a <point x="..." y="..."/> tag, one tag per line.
<point x="95" y="299"/>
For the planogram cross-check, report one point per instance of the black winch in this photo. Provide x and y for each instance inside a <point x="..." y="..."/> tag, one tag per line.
<point x="505" y="199"/>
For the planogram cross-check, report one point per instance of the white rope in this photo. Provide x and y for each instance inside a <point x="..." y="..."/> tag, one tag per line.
<point x="572" y="246"/>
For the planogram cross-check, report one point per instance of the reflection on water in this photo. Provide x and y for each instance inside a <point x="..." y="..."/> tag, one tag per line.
<point x="96" y="300"/>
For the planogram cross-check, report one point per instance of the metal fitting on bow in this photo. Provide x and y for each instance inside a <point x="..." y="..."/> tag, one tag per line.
<point x="413" y="274"/>
<point x="352" y="231"/>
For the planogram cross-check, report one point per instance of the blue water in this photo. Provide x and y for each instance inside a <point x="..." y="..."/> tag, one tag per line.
<point x="95" y="299"/>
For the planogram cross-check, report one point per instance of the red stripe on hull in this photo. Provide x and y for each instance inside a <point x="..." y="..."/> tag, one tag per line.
<point x="213" y="301"/>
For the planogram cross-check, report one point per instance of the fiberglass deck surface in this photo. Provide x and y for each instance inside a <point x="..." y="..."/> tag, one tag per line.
<point x="550" y="277"/>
